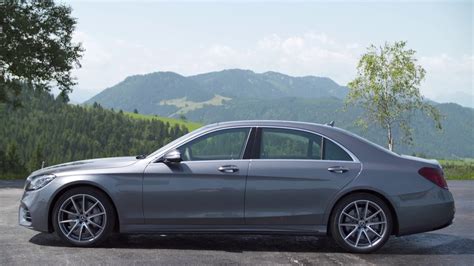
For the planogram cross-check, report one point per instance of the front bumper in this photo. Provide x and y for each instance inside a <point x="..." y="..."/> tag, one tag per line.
<point x="34" y="209"/>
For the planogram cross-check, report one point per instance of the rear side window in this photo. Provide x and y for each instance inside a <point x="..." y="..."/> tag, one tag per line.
<point x="289" y="144"/>
<point x="333" y="152"/>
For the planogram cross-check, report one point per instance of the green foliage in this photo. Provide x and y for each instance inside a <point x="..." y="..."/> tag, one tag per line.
<point x="36" y="48"/>
<point x="47" y="129"/>
<point x="387" y="87"/>
<point x="458" y="169"/>
<point x="187" y="124"/>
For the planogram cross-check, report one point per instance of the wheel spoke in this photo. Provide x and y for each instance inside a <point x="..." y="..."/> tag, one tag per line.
<point x="357" y="210"/>
<point x="83" y="203"/>
<point x="88" y="229"/>
<point x="351" y="233"/>
<point x="91" y="207"/>
<point x="350" y="216"/>
<point x="376" y="223"/>
<point x="67" y="221"/>
<point x="368" y="238"/>
<point x="75" y="206"/>
<point x="358" y="238"/>
<point x="347" y="224"/>
<point x="366" y="209"/>
<point x="373" y="231"/>
<point x="95" y="224"/>
<point x="97" y="214"/>
<point x="68" y="212"/>
<point x="80" y="231"/>
<point x="72" y="229"/>
<point x="373" y="215"/>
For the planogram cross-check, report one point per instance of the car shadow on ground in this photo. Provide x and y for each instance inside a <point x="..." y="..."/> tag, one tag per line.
<point x="428" y="243"/>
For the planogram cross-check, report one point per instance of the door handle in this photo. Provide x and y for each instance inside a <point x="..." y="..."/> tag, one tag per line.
<point x="228" y="168"/>
<point x="337" y="169"/>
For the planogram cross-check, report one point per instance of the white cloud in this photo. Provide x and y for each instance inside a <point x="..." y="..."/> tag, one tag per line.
<point x="107" y="62"/>
<point x="447" y="76"/>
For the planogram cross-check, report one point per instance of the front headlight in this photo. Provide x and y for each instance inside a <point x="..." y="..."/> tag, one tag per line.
<point x="40" y="181"/>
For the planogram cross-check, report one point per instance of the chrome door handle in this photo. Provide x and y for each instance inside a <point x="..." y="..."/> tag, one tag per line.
<point x="228" y="168"/>
<point x="337" y="169"/>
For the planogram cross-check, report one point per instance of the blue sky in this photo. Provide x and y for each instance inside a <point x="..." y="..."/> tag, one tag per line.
<point x="303" y="38"/>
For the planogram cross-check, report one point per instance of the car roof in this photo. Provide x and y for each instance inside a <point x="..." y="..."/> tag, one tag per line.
<point x="257" y="123"/>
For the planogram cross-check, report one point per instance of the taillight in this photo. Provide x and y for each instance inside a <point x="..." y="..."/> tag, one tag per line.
<point x="434" y="175"/>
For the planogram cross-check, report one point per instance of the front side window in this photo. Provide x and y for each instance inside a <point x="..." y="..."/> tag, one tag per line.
<point x="227" y="144"/>
<point x="289" y="144"/>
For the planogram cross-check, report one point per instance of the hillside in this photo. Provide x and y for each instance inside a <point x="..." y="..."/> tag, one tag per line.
<point x="242" y="94"/>
<point x="170" y="94"/>
<point x="46" y="129"/>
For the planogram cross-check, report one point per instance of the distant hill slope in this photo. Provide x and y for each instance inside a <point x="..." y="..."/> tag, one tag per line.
<point x="47" y="129"/>
<point x="242" y="94"/>
<point x="151" y="93"/>
<point x="236" y="83"/>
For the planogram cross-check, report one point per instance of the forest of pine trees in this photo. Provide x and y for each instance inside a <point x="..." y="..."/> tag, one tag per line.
<point x="48" y="130"/>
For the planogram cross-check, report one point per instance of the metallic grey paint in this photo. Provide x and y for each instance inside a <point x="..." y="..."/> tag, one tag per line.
<point x="276" y="196"/>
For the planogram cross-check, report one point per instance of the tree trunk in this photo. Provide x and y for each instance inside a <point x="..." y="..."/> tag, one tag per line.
<point x="390" y="137"/>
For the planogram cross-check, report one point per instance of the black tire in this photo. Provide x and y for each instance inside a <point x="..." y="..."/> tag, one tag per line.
<point x="372" y="240"/>
<point x="89" y="223"/>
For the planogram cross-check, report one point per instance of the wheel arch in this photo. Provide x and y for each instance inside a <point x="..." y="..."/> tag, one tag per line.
<point x="75" y="185"/>
<point x="374" y="192"/>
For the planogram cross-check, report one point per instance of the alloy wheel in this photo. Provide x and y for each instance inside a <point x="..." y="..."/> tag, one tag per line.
<point x="362" y="224"/>
<point x="82" y="218"/>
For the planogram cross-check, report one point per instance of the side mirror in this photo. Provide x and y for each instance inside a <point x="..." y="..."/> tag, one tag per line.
<point x="173" y="156"/>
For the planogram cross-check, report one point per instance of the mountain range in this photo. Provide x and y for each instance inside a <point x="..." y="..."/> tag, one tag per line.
<point x="237" y="94"/>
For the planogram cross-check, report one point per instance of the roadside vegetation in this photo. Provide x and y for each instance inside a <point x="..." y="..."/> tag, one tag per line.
<point x="458" y="169"/>
<point x="45" y="129"/>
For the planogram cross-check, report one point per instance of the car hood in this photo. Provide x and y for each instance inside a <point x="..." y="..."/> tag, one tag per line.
<point x="101" y="163"/>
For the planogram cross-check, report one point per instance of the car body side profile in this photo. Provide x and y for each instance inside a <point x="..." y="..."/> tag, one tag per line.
<point x="276" y="177"/>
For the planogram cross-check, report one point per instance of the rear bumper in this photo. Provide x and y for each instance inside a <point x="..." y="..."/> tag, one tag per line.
<point x="432" y="211"/>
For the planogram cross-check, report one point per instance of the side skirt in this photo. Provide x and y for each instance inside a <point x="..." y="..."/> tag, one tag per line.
<point x="215" y="229"/>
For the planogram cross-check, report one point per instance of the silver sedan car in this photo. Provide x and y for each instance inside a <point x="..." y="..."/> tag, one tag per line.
<point x="256" y="177"/>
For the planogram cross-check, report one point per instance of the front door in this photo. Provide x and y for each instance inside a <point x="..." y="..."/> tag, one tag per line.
<point x="206" y="188"/>
<point x="294" y="175"/>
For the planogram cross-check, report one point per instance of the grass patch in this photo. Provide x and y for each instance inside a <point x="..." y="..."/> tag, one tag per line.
<point x="189" y="125"/>
<point x="458" y="169"/>
<point x="187" y="106"/>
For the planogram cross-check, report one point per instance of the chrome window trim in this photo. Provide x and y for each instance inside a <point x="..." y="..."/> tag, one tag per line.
<point x="354" y="158"/>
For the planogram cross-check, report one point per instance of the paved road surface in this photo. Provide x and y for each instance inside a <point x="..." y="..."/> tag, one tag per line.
<point x="19" y="246"/>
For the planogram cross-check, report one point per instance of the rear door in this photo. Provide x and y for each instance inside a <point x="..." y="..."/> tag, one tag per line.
<point x="293" y="176"/>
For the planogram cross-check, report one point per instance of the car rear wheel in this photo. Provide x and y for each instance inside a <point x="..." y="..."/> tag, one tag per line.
<point x="83" y="216"/>
<point x="361" y="223"/>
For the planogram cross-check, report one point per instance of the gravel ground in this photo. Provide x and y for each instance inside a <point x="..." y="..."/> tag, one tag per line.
<point x="20" y="246"/>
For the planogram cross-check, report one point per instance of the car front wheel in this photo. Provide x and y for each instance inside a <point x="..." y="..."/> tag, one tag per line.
<point x="83" y="216"/>
<point x="361" y="223"/>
